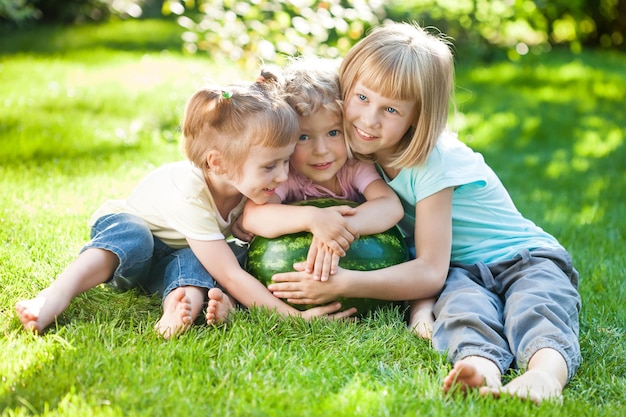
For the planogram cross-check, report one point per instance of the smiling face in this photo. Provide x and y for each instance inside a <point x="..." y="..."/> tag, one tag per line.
<point x="263" y="170"/>
<point x="321" y="150"/>
<point x="375" y="124"/>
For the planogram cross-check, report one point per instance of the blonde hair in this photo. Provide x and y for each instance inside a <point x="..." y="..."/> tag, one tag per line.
<point x="403" y="61"/>
<point x="234" y="118"/>
<point x="312" y="84"/>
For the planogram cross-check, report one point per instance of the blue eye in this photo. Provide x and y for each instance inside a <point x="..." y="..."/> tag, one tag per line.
<point x="334" y="133"/>
<point x="362" y="97"/>
<point x="303" y="138"/>
<point x="391" y="110"/>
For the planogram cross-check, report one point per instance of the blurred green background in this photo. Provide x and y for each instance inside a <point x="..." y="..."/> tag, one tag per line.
<point x="249" y="31"/>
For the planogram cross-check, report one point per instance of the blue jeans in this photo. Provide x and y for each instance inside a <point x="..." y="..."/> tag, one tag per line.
<point x="506" y="311"/>
<point x="145" y="261"/>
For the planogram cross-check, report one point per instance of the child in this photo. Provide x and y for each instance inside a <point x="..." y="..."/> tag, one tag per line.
<point x="510" y="297"/>
<point x="320" y="168"/>
<point x="169" y="235"/>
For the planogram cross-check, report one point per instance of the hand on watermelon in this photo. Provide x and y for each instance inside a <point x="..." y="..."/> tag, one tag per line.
<point x="330" y="311"/>
<point x="300" y="288"/>
<point x="331" y="228"/>
<point x="332" y="237"/>
<point x="321" y="261"/>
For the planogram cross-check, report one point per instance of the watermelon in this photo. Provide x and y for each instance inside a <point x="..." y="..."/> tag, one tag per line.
<point x="267" y="257"/>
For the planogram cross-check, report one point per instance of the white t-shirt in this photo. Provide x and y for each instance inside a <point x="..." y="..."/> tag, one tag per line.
<point x="177" y="204"/>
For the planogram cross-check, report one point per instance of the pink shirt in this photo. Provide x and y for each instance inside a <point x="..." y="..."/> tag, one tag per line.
<point x="354" y="177"/>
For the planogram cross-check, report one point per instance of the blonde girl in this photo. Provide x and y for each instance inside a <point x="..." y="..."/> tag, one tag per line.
<point x="168" y="236"/>
<point x="507" y="290"/>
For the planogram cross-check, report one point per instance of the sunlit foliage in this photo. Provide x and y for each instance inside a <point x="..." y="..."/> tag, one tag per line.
<point x="518" y="26"/>
<point x="268" y="31"/>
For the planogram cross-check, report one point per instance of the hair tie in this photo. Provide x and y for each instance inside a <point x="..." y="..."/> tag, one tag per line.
<point x="226" y="94"/>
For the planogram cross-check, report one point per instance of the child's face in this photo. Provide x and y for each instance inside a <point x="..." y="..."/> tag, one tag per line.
<point x="374" y="123"/>
<point x="263" y="170"/>
<point x="321" y="150"/>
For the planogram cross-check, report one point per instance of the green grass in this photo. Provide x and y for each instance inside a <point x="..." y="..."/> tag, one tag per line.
<point x="85" y="112"/>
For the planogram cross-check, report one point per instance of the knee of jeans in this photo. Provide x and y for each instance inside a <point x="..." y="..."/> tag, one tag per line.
<point x="141" y="244"/>
<point x="449" y="304"/>
<point x="132" y="234"/>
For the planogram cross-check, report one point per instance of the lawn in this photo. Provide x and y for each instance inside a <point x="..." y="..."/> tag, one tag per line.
<point x="87" y="111"/>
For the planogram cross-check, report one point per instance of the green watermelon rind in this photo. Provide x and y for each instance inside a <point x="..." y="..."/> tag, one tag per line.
<point x="267" y="257"/>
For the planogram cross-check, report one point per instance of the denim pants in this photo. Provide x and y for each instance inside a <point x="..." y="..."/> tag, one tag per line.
<point x="145" y="261"/>
<point x="507" y="311"/>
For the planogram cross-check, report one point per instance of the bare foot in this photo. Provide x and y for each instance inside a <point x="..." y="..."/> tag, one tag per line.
<point x="423" y="326"/>
<point x="176" y="316"/>
<point x="219" y="307"/>
<point x="534" y="385"/>
<point x="421" y="320"/>
<point x="470" y="373"/>
<point x="36" y="314"/>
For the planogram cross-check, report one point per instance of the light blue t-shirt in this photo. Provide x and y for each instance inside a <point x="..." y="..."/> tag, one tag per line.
<point x="486" y="225"/>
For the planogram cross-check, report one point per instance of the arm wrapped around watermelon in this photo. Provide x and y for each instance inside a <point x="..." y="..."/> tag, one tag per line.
<point x="269" y="256"/>
<point x="327" y="219"/>
<point x="334" y="223"/>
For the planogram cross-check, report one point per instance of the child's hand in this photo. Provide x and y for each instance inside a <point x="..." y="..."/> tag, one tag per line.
<point x="331" y="228"/>
<point x="299" y="287"/>
<point x="329" y="311"/>
<point x="321" y="261"/>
